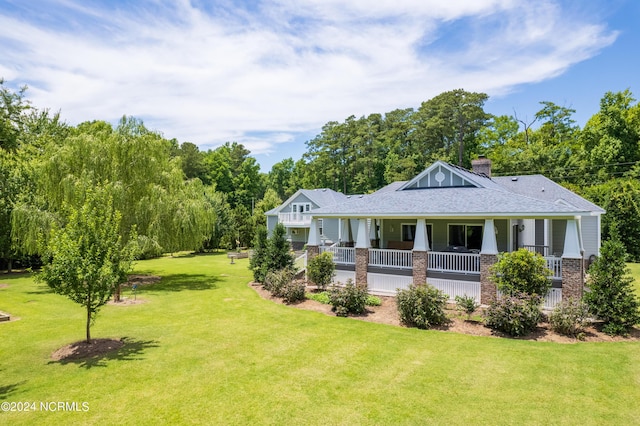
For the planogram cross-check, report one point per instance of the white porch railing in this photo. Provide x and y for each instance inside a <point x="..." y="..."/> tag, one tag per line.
<point x="341" y="255"/>
<point x="555" y="265"/>
<point x="540" y="249"/>
<point x="300" y="262"/>
<point x="402" y="259"/>
<point x="294" y="219"/>
<point x="454" y="262"/>
<point x="553" y="297"/>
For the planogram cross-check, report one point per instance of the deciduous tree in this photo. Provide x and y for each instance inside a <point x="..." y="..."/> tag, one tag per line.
<point x="85" y="260"/>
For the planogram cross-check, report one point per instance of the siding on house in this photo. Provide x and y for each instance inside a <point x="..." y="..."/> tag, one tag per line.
<point x="272" y="221"/>
<point x="590" y="234"/>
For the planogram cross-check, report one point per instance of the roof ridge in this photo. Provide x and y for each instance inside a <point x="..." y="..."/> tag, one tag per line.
<point x="468" y="171"/>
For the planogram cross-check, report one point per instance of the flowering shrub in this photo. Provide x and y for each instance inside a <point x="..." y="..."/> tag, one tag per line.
<point x="421" y="306"/>
<point x="349" y="299"/>
<point x="569" y="317"/>
<point x="516" y="315"/>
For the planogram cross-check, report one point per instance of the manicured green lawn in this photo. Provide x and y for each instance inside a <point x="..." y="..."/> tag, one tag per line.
<point x="635" y="272"/>
<point x="205" y="348"/>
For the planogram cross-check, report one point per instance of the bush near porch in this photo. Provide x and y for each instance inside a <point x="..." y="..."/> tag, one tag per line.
<point x="204" y="348"/>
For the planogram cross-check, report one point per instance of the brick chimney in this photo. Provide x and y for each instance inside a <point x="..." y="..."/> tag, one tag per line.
<point x="481" y="166"/>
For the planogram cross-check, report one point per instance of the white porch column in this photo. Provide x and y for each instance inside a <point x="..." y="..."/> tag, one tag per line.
<point x="572" y="263"/>
<point x="421" y="242"/>
<point x="372" y="230"/>
<point x="345" y="230"/>
<point x="363" y="235"/>
<point x="314" y="233"/>
<point x="489" y="244"/>
<point x="572" y="241"/>
<point x="488" y="257"/>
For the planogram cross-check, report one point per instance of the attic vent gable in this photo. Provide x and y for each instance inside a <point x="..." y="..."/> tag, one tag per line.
<point x="440" y="175"/>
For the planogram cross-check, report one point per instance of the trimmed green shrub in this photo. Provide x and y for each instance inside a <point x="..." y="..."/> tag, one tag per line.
<point x="467" y="304"/>
<point x="293" y="292"/>
<point x="373" y="301"/>
<point x="515" y="315"/>
<point x="323" y="297"/>
<point x="276" y="281"/>
<point x="521" y="271"/>
<point x="611" y="296"/>
<point x="569" y="317"/>
<point x="421" y="306"/>
<point x="321" y="269"/>
<point x="349" y="299"/>
<point x="278" y="250"/>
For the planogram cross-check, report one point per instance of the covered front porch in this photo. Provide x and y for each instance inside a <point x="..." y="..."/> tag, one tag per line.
<point x="454" y="255"/>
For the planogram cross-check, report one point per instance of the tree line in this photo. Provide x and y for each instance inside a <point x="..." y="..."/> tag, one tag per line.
<point x="172" y="196"/>
<point x="168" y="196"/>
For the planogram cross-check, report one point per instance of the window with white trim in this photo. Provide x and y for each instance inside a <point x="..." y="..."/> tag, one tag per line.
<point x="300" y="207"/>
<point x="409" y="232"/>
<point x="464" y="235"/>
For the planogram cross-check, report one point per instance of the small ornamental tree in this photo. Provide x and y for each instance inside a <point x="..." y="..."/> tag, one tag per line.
<point x="521" y="271"/>
<point x="321" y="270"/>
<point x="611" y="297"/>
<point x="278" y="256"/>
<point x="258" y="262"/>
<point x="85" y="260"/>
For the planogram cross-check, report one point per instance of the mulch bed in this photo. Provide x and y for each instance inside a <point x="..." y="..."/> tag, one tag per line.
<point x="387" y="313"/>
<point x="83" y="350"/>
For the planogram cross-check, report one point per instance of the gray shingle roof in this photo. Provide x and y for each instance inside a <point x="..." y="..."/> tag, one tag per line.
<point x="324" y="197"/>
<point x="447" y="202"/>
<point x="542" y="188"/>
<point x="532" y="195"/>
<point x="321" y="197"/>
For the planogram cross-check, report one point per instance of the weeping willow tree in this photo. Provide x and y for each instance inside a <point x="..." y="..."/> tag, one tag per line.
<point x="134" y="166"/>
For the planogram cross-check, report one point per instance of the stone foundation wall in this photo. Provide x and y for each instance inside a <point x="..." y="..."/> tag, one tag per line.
<point x="420" y="265"/>
<point x="362" y="265"/>
<point x="572" y="278"/>
<point x="487" y="287"/>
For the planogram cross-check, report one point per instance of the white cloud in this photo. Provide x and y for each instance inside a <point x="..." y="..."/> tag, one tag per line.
<point x="286" y="67"/>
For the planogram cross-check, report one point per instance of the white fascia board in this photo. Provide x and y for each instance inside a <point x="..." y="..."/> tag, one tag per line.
<point x="567" y="215"/>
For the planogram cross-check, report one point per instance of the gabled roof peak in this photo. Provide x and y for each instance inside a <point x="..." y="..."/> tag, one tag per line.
<point x="445" y="175"/>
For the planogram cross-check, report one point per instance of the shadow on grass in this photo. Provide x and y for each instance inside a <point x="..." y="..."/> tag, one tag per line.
<point x="131" y="350"/>
<point x="7" y="390"/>
<point x="41" y="289"/>
<point x="188" y="255"/>
<point x="181" y="282"/>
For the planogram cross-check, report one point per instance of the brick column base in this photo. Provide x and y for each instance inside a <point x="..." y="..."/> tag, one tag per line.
<point x="420" y="265"/>
<point x="312" y="251"/>
<point x="487" y="287"/>
<point x="362" y="266"/>
<point x="572" y="278"/>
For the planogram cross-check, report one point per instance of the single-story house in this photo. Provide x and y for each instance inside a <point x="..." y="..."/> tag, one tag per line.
<point x="447" y="225"/>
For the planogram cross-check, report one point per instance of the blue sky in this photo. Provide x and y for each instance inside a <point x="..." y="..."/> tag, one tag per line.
<point x="270" y="73"/>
